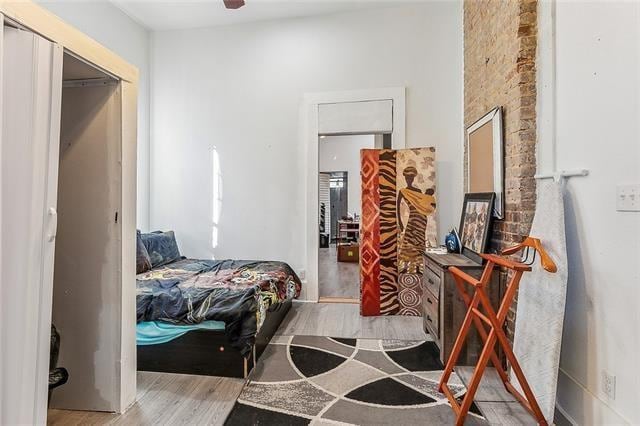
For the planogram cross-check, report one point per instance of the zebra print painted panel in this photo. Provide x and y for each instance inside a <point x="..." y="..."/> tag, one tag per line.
<point x="370" y="234"/>
<point x="388" y="234"/>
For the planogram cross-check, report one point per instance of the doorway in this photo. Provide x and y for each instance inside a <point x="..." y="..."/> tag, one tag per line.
<point x="87" y="257"/>
<point x="352" y="112"/>
<point x="339" y="201"/>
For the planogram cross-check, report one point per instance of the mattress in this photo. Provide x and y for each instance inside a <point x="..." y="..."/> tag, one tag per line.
<point x="157" y="332"/>
<point x="237" y="293"/>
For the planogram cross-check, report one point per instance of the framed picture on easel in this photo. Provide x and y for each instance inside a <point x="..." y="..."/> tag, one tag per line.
<point x="475" y="224"/>
<point x="485" y="164"/>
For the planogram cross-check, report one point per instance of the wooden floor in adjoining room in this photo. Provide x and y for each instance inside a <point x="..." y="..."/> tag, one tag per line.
<point x="337" y="279"/>
<point x="172" y="399"/>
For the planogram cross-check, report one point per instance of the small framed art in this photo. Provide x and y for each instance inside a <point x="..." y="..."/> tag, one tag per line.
<point x="475" y="223"/>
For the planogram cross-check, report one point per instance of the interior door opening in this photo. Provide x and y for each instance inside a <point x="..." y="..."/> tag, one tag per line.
<point x="339" y="201"/>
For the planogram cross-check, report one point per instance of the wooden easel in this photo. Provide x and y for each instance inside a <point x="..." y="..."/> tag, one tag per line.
<point x="495" y="322"/>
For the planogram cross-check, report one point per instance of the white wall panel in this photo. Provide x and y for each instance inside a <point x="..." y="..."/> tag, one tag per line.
<point x="596" y="107"/>
<point x="356" y="117"/>
<point x="342" y="154"/>
<point x="242" y="95"/>
<point x="110" y="26"/>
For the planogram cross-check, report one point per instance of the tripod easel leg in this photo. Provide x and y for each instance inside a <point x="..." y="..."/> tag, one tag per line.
<point x="481" y="329"/>
<point x="494" y="321"/>
<point x="457" y="346"/>
<point x="472" y="388"/>
<point x="529" y="400"/>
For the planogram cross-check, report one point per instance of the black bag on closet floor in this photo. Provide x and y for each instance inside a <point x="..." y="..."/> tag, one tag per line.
<point x="57" y="376"/>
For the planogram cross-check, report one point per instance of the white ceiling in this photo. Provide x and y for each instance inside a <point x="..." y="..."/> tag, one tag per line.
<point x="162" y="15"/>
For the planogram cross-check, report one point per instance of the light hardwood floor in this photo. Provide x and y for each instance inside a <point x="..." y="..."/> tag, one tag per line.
<point x="344" y="320"/>
<point x="337" y="279"/>
<point x="182" y="399"/>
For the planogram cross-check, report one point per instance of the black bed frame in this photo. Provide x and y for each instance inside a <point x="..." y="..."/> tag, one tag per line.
<point x="208" y="353"/>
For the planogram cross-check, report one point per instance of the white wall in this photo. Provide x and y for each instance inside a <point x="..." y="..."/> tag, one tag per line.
<point x="112" y="28"/>
<point x="239" y="88"/>
<point x="342" y="154"/>
<point x="598" y="128"/>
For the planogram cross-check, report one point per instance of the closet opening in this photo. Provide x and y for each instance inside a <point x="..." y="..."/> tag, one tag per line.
<point x="87" y="268"/>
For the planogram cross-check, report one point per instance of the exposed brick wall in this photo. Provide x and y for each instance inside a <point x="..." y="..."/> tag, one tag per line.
<point x="500" y="39"/>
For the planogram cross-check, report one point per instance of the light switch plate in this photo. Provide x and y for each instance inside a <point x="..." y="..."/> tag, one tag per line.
<point x="628" y="198"/>
<point x="609" y="384"/>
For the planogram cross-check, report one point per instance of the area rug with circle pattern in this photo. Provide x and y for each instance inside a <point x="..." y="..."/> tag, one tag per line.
<point x="323" y="380"/>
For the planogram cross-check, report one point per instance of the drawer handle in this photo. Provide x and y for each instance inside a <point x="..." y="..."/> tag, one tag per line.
<point x="429" y="319"/>
<point x="429" y="301"/>
<point x="430" y="281"/>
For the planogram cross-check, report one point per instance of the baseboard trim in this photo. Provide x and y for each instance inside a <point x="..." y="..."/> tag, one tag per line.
<point x="591" y="408"/>
<point x="338" y="300"/>
<point x="566" y="418"/>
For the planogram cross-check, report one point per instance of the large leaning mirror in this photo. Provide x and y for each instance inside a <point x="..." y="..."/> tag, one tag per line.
<point x="485" y="158"/>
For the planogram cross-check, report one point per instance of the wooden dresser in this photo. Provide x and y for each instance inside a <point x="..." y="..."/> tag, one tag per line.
<point x="443" y="310"/>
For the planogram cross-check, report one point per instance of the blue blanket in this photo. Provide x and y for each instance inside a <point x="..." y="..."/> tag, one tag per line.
<point x="156" y="332"/>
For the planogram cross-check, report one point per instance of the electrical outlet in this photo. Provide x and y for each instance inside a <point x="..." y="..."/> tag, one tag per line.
<point x="609" y="384"/>
<point x="628" y="198"/>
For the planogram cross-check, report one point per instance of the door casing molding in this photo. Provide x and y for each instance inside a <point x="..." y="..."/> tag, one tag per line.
<point x="309" y="135"/>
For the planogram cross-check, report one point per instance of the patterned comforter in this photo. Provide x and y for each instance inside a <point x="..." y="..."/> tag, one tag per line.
<point x="237" y="292"/>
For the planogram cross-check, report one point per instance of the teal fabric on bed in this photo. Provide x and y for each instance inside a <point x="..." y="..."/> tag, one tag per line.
<point x="157" y="332"/>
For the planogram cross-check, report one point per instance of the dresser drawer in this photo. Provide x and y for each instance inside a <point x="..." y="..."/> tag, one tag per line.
<point x="431" y="264"/>
<point x="430" y="315"/>
<point x="431" y="282"/>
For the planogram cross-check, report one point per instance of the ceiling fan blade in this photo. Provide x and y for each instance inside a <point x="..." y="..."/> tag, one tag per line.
<point x="233" y="4"/>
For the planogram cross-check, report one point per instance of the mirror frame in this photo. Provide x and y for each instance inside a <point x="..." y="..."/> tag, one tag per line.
<point x="495" y="117"/>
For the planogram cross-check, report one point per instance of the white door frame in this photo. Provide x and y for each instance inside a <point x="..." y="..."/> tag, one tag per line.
<point x="309" y="136"/>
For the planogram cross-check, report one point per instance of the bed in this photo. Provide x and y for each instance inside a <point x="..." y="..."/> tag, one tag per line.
<point x="210" y="317"/>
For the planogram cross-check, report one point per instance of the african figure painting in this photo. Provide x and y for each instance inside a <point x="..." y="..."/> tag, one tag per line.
<point x="416" y="205"/>
<point x="398" y="222"/>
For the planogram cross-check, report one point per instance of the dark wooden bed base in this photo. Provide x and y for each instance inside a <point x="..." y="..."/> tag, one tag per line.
<point x="207" y="352"/>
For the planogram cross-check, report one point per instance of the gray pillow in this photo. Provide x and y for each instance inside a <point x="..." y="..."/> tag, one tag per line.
<point x="143" y="262"/>
<point x="162" y="247"/>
